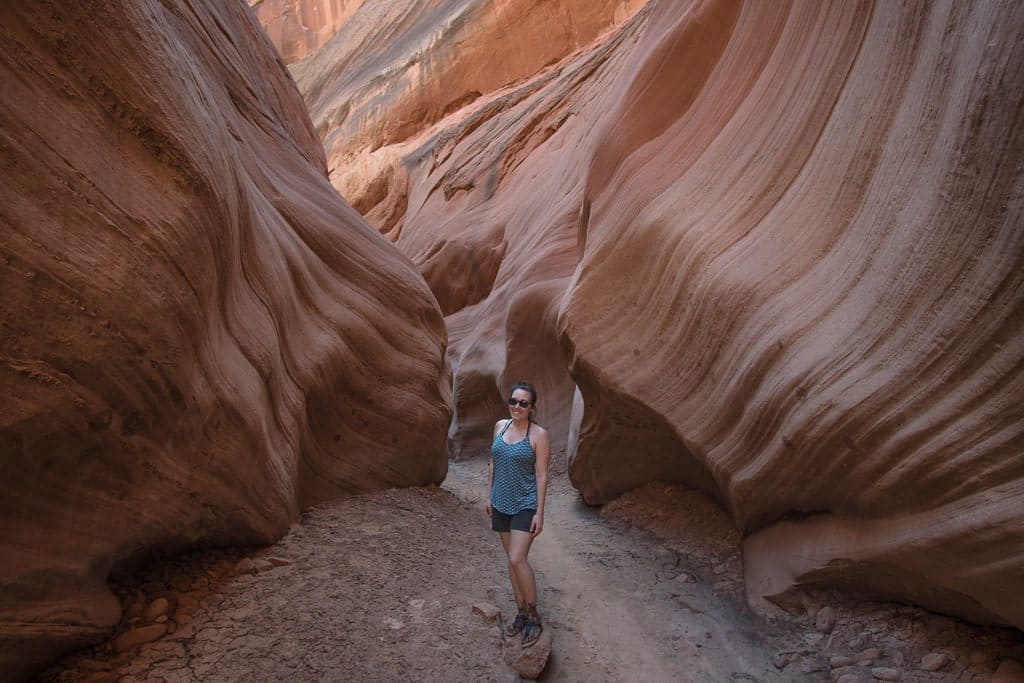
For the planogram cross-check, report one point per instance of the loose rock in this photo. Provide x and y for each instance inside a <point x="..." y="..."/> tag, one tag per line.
<point x="837" y="661"/>
<point x="1008" y="671"/>
<point x="812" y="665"/>
<point x="825" y="620"/>
<point x="884" y="674"/>
<point x="530" y="661"/>
<point x="244" y="566"/>
<point x="934" y="661"/>
<point x="155" y="609"/>
<point x="129" y="640"/>
<point x="782" y="659"/>
<point x="263" y="565"/>
<point x="488" y="611"/>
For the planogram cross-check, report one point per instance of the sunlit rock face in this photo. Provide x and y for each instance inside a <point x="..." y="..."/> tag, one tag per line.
<point x="434" y="115"/>
<point x="199" y="336"/>
<point x="801" y="290"/>
<point x="779" y="249"/>
<point x="298" y="28"/>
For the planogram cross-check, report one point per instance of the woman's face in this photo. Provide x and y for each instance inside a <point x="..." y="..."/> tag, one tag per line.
<point x="517" y="411"/>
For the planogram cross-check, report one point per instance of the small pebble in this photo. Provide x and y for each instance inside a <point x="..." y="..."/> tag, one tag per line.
<point x="836" y="661"/>
<point x="825" y="620"/>
<point x="934" y="661"/>
<point x="782" y="659"/>
<point x="872" y="654"/>
<point x="155" y="609"/>
<point x="244" y="566"/>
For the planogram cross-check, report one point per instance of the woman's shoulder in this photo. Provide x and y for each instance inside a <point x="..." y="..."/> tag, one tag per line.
<point x="537" y="428"/>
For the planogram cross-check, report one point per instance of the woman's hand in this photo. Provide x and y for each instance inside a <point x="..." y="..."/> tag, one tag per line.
<point x="487" y="509"/>
<point x="537" y="525"/>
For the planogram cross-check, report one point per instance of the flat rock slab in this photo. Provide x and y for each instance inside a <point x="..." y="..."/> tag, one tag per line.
<point x="486" y="610"/>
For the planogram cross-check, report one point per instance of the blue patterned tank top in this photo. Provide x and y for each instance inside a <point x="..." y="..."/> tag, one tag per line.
<point x="515" y="475"/>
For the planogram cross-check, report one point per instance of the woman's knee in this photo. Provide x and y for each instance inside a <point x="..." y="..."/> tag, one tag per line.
<point x="517" y="560"/>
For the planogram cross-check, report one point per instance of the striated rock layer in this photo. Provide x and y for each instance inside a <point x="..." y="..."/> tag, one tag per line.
<point x="434" y="115"/>
<point x="199" y="337"/>
<point x="779" y="248"/>
<point x="298" y="28"/>
<point x="828" y="328"/>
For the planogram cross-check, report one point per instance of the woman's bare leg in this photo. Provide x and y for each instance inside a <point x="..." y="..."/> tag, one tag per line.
<point x="516" y="590"/>
<point x="522" y="574"/>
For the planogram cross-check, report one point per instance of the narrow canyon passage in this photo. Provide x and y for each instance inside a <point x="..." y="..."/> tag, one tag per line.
<point x="268" y="264"/>
<point x="380" y="587"/>
<point x="625" y="606"/>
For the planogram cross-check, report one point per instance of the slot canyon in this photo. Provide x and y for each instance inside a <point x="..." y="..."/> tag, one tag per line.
<point x="270" y="267"/>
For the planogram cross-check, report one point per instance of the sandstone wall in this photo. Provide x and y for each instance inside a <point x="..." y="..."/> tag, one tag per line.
<point x="778" y="248"/>
<point x="429" y="106"/>
<point x="199" y="337"/>
<point x="826" y="211"/>
<point x="298" y="28"/>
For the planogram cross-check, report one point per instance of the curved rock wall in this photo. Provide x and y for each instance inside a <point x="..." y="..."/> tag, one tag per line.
<point x="433" y="115"/>
<point x="778" y="247"/>
<point x="199" y="337"/>
<point x="830" y="322"/>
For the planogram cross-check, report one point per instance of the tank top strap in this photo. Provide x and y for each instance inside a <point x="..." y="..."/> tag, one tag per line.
<point x="529" y="423"/>
<point x="508" y="423"/>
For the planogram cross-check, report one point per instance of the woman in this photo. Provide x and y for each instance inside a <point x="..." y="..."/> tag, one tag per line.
<point x="517" y="483"/>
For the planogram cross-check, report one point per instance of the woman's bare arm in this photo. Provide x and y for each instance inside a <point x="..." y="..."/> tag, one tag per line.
<point x="490" y="472"/>
<point x="542" y="448"/>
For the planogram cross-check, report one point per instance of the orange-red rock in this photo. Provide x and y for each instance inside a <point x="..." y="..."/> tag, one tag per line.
<point x="827" y="211"/>
<point x="476" y="191"/>
<point x="199" y="337"/>
<point x="778" y="246"/>
<point x="300" y="27"/>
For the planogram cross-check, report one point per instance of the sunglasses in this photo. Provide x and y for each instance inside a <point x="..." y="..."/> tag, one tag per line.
<point x="522" y="404"/>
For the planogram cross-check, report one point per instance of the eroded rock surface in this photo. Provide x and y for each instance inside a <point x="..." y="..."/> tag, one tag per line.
<point x="199" y="337"/>
<point x="779" y="249"/>
<point x="829" y="323"/>
<point x="299" y="28"/>
<point x="435" y="116"/>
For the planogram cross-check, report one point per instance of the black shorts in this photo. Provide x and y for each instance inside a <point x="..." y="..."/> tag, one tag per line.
<point x="520" y="521"/>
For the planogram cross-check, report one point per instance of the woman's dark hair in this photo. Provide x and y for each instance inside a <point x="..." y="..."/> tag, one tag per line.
<point x="525" y="386"/>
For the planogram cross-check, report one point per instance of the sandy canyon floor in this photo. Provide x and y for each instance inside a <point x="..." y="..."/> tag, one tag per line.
<point x="380" y="587"/>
